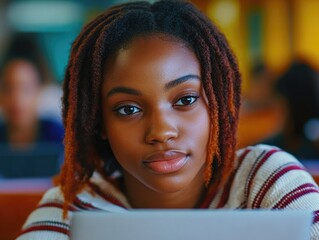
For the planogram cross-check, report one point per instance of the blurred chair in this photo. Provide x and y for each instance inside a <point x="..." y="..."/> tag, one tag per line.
<point x="17" y="199"/>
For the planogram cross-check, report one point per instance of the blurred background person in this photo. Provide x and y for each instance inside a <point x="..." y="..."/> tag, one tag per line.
<point x="21" y="82"/>
<point x="299" y="90"/>
<point x="30" y="144"/>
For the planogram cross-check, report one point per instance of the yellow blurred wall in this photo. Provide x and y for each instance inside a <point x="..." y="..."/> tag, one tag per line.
<point x="289" y="30"/>
<point x="277" y="50"/>
<point x="227" y="14"/>
<point x="306" y="30"/>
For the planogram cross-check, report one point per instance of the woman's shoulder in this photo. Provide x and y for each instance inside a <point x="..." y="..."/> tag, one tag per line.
<point x="257" y="149"/>
<point x="98" y="194"/>
<point x="261" y="164"/>
<point x="272" y="177"/>
<point x="263" y="156"/>
<point x="47" y="221"/>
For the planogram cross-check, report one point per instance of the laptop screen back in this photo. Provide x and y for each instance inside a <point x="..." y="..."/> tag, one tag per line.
<point x="193" y="224"/>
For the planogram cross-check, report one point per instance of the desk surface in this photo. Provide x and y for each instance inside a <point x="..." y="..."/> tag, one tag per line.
<point x="25" y="185"/>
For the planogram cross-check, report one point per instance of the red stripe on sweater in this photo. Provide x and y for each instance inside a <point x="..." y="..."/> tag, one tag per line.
<point x="315" y="217"/>
<point x="225" y="194"/>
<point x="295" y="194"/>
<point x="226" y="191"/>
<point x="46" y="228"/>
<point x="270" y="182"/>
<point x="258" y="166"/>
<point x="84" y="205"/>
<point x="211" y="194"/>
<point x="76" y="206"/>
<point x="56" y="205"/>
<point x="106" y="196"/>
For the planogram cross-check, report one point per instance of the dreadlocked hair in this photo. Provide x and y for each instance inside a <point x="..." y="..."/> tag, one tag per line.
<point x="85" y="151"/>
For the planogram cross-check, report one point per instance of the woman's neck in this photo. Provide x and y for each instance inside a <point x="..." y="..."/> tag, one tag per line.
<point x="141" y="196"/>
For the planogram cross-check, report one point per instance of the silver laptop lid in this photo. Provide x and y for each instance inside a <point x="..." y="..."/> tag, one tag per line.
<point x="193" y="224"/>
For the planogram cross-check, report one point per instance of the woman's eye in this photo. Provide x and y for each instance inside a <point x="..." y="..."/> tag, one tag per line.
<point x="187" y="100"/>
<point x="128" y="110"/>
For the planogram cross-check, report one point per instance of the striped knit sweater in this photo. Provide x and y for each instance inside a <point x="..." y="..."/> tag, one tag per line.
<point x="264" y="177"/>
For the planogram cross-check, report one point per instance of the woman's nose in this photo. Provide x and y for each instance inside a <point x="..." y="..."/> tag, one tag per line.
<point x="161" y="129"/>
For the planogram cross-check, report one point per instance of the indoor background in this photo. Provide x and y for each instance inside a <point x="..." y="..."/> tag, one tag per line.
<point x="275" y="41"/>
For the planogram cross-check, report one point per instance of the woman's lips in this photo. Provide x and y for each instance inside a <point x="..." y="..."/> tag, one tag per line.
<point x="166" y="162"/>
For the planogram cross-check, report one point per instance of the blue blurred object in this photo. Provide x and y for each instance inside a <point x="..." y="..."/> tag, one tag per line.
<point x="42" y="158"/>
<point x="48" y="131"/>
<point x="38" y="161"/>
<point x="312" y="165"/>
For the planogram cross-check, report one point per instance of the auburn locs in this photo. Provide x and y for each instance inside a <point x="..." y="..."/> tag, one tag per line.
<point x="85" y="151"/>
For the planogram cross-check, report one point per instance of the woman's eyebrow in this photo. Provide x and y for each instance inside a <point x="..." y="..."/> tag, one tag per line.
<point x="180" y="80"/>
<point x="169" y="85"/>
<point x="125" y="90"/>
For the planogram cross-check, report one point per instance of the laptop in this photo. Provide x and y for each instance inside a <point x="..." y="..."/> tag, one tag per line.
<point x="193" y="224"/>
<point x="37" y="161"/>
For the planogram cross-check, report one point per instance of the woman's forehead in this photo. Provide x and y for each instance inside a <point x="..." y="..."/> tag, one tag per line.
<point x="153" y="40"/>
<point x="150" y="61"/>
<point x="152" y="56"/>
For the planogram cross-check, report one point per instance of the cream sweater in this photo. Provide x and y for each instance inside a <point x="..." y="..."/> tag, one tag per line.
<point x="265" y="177"/>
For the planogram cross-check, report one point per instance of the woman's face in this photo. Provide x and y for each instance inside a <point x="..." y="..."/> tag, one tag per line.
<point x="19" y="90"/>
<point x="155" y="113"/>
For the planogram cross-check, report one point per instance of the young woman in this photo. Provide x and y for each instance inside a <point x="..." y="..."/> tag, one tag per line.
<point x="150" y="107"/>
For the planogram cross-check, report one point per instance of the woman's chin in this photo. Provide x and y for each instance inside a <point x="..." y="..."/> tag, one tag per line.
<point x="167" y="185"/>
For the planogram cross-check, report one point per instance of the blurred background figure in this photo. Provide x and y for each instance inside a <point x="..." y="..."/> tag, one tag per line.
<point x="299" y="89"/>
<point x="30" y="144"/>
<point x="21" y="82"/>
